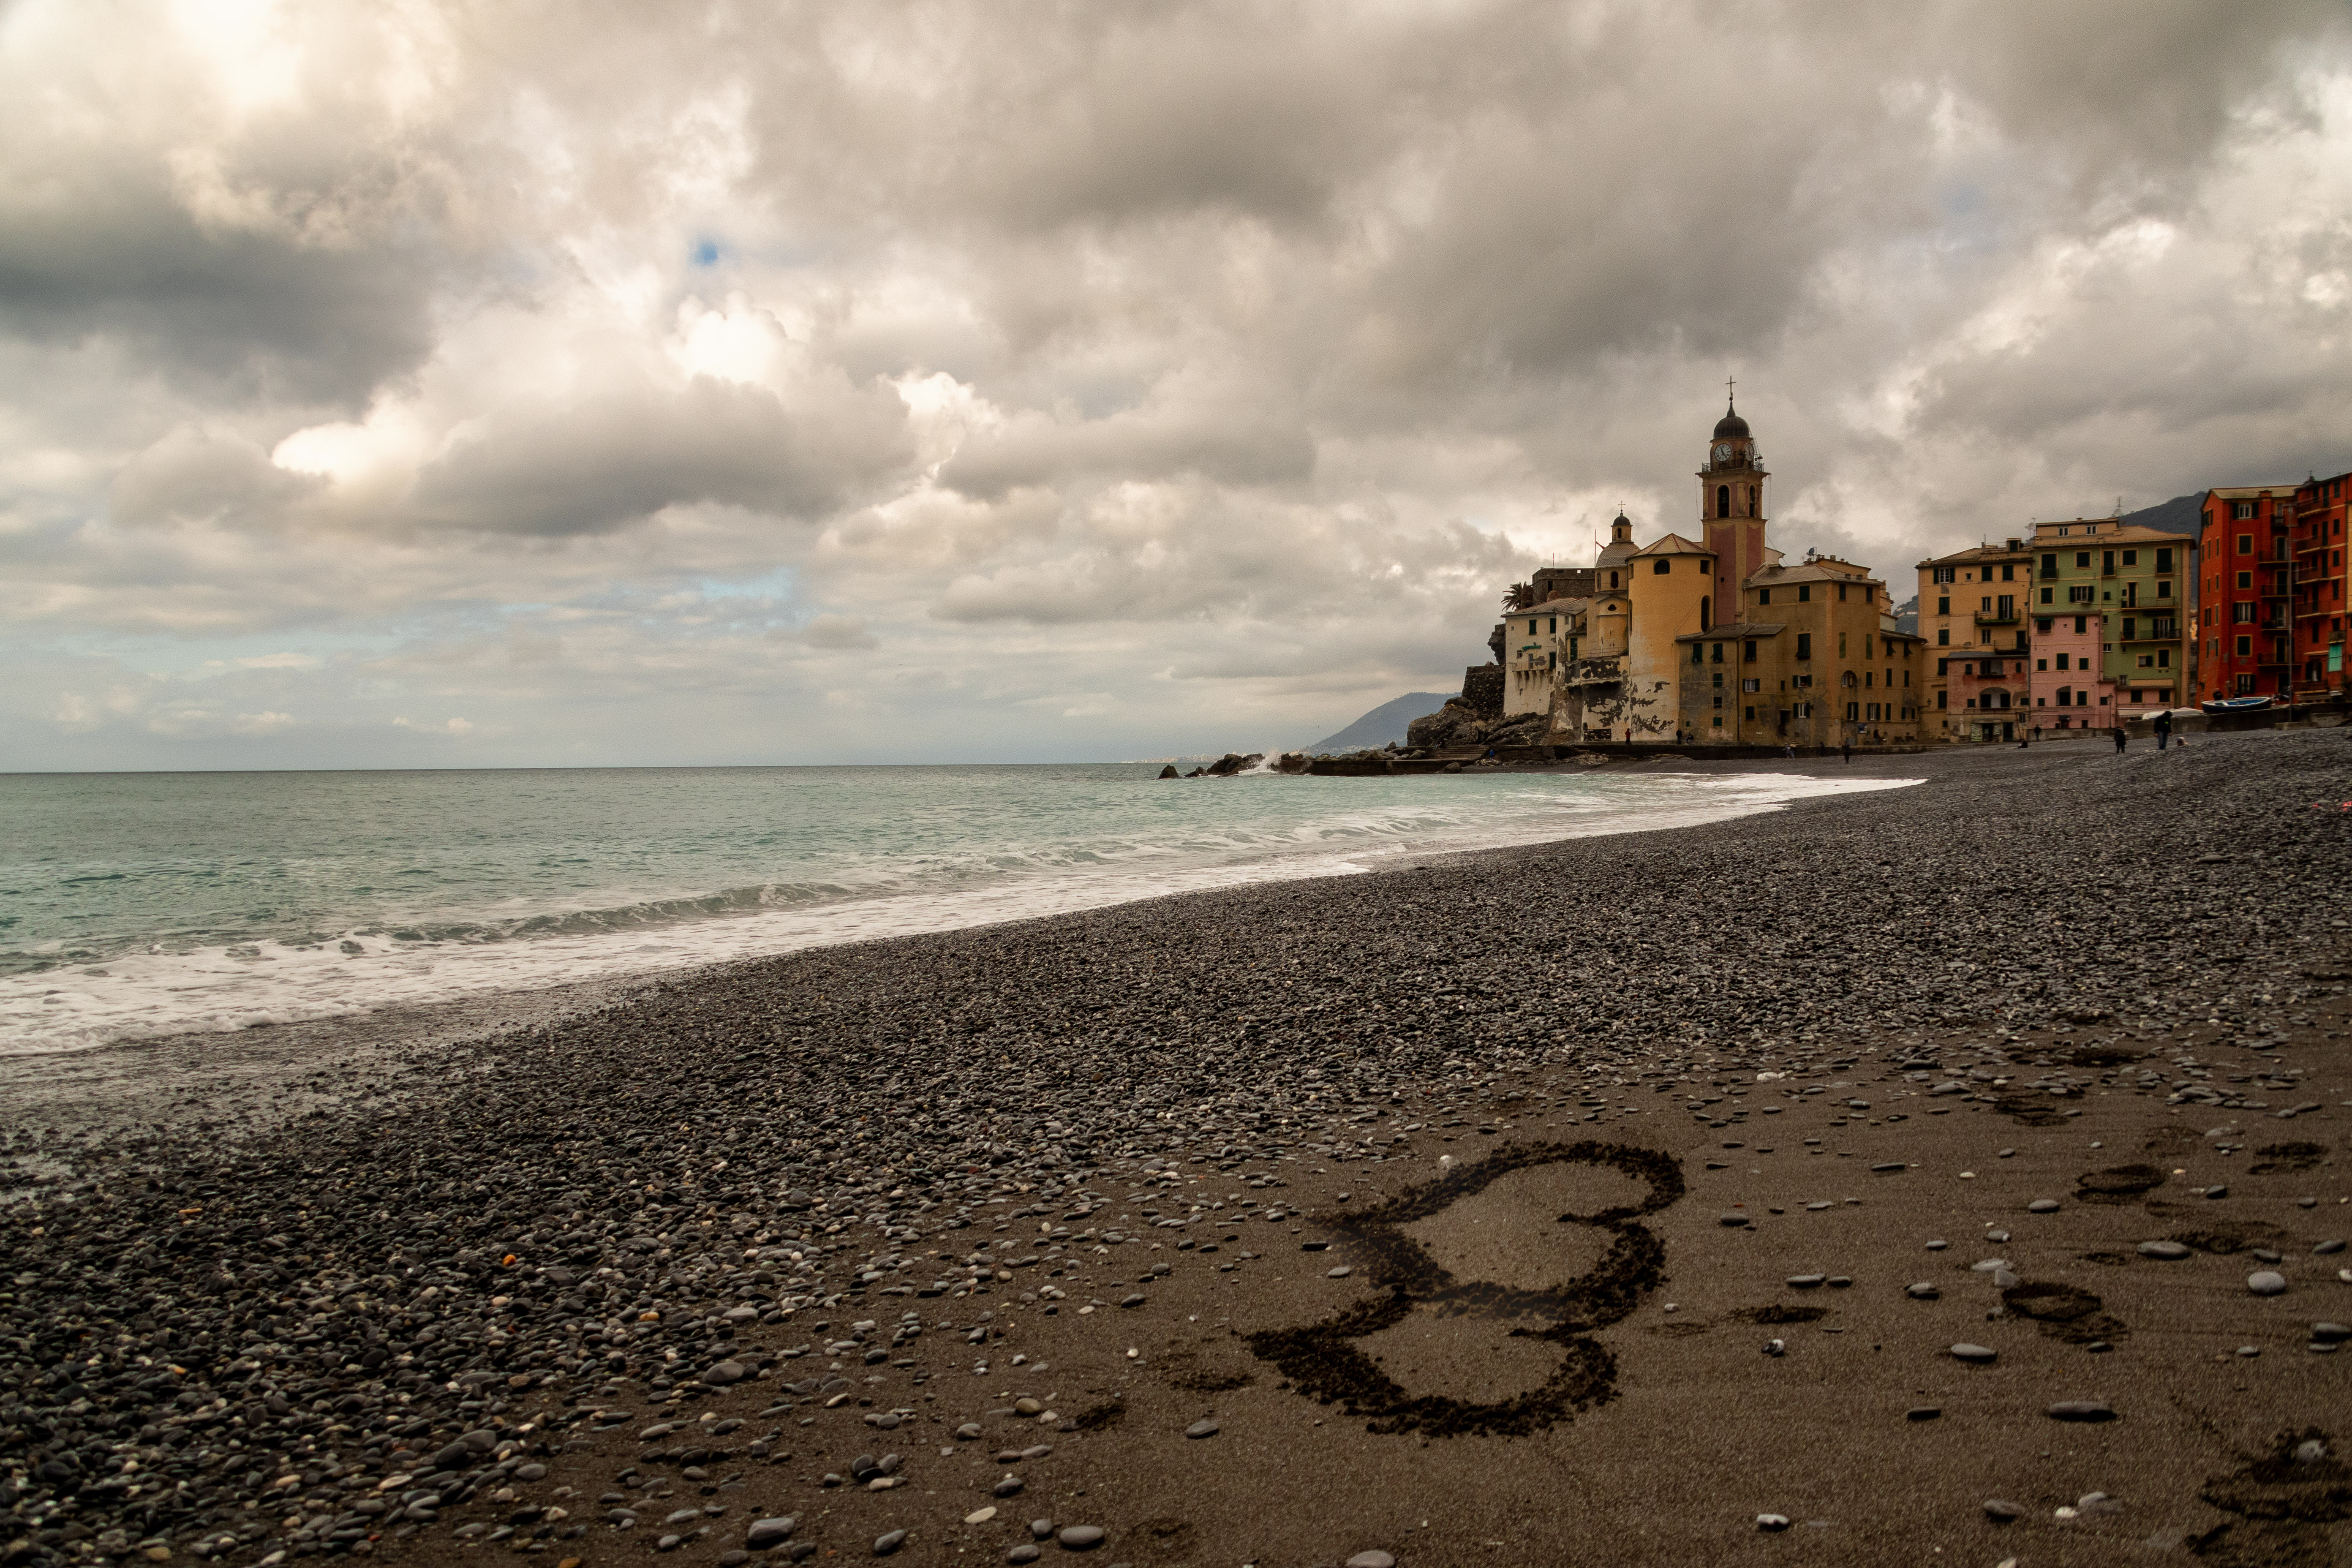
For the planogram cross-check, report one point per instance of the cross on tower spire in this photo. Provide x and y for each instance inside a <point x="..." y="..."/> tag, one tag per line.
<point x="1729" y="387"/>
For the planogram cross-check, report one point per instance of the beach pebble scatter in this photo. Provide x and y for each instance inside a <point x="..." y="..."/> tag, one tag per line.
<point x="652" y="1279"/>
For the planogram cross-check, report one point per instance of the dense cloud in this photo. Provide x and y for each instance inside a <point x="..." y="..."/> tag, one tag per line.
<point x="802" y="382"/>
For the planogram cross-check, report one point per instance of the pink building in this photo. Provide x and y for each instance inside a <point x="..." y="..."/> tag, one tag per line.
<point x="2068" y="693"/>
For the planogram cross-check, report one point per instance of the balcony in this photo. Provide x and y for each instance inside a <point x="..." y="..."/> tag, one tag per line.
<point x="1996" y="618"/>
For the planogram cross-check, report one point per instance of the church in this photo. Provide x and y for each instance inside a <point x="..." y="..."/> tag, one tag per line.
<point x="1713" y="640"/>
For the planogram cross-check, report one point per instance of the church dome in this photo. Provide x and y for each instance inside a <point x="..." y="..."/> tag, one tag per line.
<point x="1730" y="425"/>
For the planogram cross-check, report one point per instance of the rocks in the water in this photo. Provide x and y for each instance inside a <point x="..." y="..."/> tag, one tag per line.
<point x="2170" y="1251"/>
<point x="1975" y="1356"/>
<point x="2266" y="1282"/>
<point x="2079" y="1410"/>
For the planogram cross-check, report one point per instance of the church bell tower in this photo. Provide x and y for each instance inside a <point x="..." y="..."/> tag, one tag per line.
<point x="1732" y="506"/>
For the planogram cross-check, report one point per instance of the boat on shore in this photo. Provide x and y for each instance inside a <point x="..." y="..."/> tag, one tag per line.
<point x="2237" y="704"/>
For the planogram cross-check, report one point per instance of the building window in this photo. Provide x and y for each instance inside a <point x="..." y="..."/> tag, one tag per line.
<point x="1943" y="603"/>
<point x="2164" y="560"/>
<point x="1941" y="665"/>
<point x="1751" y="710"/>
<point x="1751" y="684"/>
<point x="1853" y="712"/>
<point x="1612" y="579"/>
<point x="1698" y="653"/>
<point x="1723" y="500"/>
<point x="1840" y="593"/>
<point x="2164" y="590"/>
<point x="1942" y="699"/>
<point x="1943" y="636"/>
<point x="1763" y="595"/>
<point x="1662" y="567"/>
<point x="2245" y="579"/>
<point x="1747" y="653"/>
<point x="2049" y="565"/>
<point x="2243" y="510"/>
<point x="2045" y="596"/>
<point x="1942" y="574"/>
<point x="1804" y="645"/>
<point x="2082" y="558"/>
<point x="1804" y="593"/>
<point x="2009" y="571"/>
<point x="2043" y="626"/>
<point x="2131" y="557"/>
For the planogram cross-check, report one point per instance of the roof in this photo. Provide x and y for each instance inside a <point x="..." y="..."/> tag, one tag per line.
<point x="2109" y="527"/>
<point x="1735" y="632"/>
<point x="1981" y="552"/>
<point x="1673" y="544"/>
<point x="2251" y="493"/>
<point x="1773" y="576"/>
<point x="1731" y="423"/>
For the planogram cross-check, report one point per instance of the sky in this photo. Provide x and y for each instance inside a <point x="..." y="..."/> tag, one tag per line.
<point x="410" y="383"/>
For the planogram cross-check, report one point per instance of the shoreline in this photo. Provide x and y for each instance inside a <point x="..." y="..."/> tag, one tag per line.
<point x="1206" y="1222"/>
<point x="150" y="1067"/>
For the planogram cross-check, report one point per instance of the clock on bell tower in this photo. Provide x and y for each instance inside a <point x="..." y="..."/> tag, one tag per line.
<point x="1731" y="504"/>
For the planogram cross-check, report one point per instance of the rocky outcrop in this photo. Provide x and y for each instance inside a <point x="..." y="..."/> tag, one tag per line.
<point x="1170" y="772"/>
<point x="1234" y="763"/>
<point x="1458" y="724"/>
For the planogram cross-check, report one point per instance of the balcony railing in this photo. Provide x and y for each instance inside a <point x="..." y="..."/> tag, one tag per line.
<point x="1996" y="618"/>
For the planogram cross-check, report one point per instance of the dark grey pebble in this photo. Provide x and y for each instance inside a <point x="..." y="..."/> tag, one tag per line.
<point x="1975" y="1355"/>
<point x="2169" y="1250"/>
<point x="1734" y="1219"/>
<point x="1137" y="1299"/>
<point x="2080" y="1410"/>
<point x="1922" y="1291"/>
<point x="1081" y="1537"/>
<point x="2266" y="1282"/>
<point x="1923" y="1413"/>
<point x="767" y="1532"/>
<point x="2327" y="1249"/>
<point x="2042" y="1205"/>
<point x="2331" y="1333"/>
<point x="2220" y="1192"/>
<point x="1772" y="1522"/>
<point x="725" y="1373"/>
<point x="1025" y="1552"/>
<point x="1373" y="1559"/>
<point x="885" y="1544"/>
<point x="2004" y="1512"/>
<point x="1201" y="1429"/>
<point x="1887" y="1167"/>
<point x="1805" y="1282"/>
<point x="1041" y="1530"/>
<point x="1009" y="1487"/>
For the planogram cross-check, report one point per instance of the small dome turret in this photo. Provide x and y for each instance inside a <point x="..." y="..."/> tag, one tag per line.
<point x="1730" y="425"/>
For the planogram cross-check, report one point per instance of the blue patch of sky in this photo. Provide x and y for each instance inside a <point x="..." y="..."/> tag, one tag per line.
<point x="706" y="253"/>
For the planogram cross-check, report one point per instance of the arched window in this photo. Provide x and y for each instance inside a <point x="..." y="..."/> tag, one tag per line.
<point x="1705" y="603"/>
<point x="1662" y="567"/>
<point x="1612" y="579"/>
<point x="1723" y="500"/>
<point x="1755" y="507"/>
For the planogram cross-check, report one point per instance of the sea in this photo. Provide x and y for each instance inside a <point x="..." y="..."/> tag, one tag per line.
<point x="138" y="905"/>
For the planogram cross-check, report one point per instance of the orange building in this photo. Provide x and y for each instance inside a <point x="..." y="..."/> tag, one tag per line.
<point x="2320" y="587"/>
<point x="2244" y="632"/>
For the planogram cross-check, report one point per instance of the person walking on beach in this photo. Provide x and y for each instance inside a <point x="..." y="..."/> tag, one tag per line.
<point x="2119" y="737"/>
<point x="2164" y="730"/>
<point x="1846" y="746"/>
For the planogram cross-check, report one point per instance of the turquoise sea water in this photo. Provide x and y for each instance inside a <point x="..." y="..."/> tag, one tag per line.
<point x="145" y="903"/>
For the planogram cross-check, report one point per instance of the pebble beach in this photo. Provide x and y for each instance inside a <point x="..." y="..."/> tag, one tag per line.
<point x="1951" y="1172"/>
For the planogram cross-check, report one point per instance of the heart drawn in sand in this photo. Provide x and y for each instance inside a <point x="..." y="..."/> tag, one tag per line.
<point x="1325" y="1362"/>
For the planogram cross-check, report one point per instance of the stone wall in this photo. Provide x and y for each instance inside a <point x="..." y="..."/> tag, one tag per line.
<point x="1482" y="689"/>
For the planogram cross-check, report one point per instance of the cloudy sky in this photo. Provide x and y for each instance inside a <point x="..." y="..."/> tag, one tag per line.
<point x="415" y="383"/>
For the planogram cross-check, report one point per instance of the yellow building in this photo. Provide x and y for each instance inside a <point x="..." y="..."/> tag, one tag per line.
<point x="1638" y="647"/>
